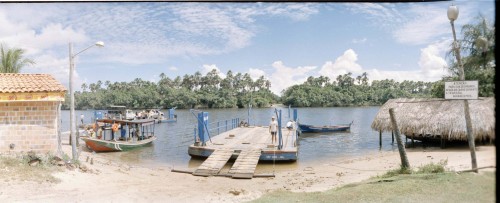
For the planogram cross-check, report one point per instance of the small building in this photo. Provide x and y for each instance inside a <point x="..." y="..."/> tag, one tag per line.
<point x="30" y="106"/>
<point x="438" y="119"/>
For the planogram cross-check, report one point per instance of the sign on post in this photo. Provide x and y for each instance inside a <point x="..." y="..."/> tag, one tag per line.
<point x="461" y="89"/>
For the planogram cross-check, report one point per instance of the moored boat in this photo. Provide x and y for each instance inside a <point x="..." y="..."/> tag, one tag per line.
<point x="109" y="135"/>
<point x="322" y="129"/>
<point x="171" y="117"/>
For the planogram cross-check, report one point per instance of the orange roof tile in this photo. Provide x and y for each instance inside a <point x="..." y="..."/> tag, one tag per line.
<point x="20" y="82"/>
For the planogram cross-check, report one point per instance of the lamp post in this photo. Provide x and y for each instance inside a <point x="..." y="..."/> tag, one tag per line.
<point x="72" y="124"/>
<point x="452" y="16"/>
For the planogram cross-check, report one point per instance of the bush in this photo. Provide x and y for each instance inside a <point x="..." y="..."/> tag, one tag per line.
<point x="428" y="168"/>
<point x="433" y="167"/>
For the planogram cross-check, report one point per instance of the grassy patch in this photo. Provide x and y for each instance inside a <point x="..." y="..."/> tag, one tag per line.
<point x="430" y="183"/>
<point x="23" y="167"/>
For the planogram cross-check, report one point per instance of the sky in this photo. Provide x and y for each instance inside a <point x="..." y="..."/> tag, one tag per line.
<point x="284" y="42"/>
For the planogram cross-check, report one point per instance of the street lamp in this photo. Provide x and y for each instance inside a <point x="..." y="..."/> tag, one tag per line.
<point x="72" y="94"/>
<point x="452" y="16"/>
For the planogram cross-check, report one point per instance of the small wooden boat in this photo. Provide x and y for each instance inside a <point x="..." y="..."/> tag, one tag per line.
<point x="323" y="129"/>
<point x="110" y="135"/>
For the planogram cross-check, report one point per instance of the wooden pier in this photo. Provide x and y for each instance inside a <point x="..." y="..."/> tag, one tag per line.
<point x="214" y="163"/>
<point x="245" y="164"/>
<point x="246" y="145"/>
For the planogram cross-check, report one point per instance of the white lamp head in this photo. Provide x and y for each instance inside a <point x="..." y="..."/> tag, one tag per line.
<point x="452" y="13"/>
<point x="99" y="44"/>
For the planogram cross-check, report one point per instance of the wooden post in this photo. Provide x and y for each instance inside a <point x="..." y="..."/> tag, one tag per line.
<point x="380" y="138"/>
<point x="470" y="136"/>
<point x="392" y="133"/>
<point x="443" y="142"/>
<point x="402" y="151"/>
<point x="412" y="140"/>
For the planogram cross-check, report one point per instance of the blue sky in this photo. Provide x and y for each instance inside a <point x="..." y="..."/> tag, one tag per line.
<point x="285" y="42"/>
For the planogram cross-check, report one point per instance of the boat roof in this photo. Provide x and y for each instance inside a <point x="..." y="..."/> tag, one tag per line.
<point x="139" y="121"/>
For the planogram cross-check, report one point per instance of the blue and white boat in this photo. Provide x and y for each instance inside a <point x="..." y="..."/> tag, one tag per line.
<point x="324" y="129"/>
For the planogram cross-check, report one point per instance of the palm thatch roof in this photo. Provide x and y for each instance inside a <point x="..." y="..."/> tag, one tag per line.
<point x="436" y="116"/>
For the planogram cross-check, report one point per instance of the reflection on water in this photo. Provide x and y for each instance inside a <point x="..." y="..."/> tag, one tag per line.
<point x="174" y="138"/>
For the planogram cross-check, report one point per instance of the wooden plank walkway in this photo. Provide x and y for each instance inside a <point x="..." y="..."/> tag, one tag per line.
<point x="214" y="163"/>
<point x="245" y="164"/>
<point x="247" y="145"/>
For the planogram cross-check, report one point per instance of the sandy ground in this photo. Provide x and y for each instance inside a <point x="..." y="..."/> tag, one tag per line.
<point x="111" y="181"/>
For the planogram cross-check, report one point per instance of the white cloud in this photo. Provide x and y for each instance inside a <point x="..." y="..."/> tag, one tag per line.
<point x="284" y="76"/>
<point x="207" y="68"/>
<point x="427" y="23"/>
<point x="432" y="65"/>
<point x="359" y="41"/>
<point x="380" y="15"/>
<point x="342" y="65"/>
<point x="173" y="68"/>
<point x="256" y="73"/>
<point x="57" y="67"/>
<point x="10" y="27"/>
<point x="414" y="23"/>
<point x="298" y="12"/>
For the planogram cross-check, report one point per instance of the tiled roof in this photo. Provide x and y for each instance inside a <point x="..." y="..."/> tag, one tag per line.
<point x="20" y="82"/>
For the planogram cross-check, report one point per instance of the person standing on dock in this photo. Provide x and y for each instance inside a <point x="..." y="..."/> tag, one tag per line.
<point x="290" y="126"/>
<point x="81" y="118"/>
<point x="273" y="128"/>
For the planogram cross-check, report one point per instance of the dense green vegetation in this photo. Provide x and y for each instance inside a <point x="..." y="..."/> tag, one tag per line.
<point x="239" y="90"/>
<point x="347" y="91"/>
<point x="208" y="91"/>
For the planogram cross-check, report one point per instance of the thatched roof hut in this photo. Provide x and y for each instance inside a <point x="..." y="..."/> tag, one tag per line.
<point x="438" y="117"/>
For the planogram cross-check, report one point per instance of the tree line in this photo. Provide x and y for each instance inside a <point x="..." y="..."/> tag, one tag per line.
<point x="351" y="91"/>
<point x="190" y="91"/>
<point x="240" y="90"/>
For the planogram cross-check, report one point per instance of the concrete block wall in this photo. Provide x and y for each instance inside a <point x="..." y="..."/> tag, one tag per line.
<point x="29" y="126"/>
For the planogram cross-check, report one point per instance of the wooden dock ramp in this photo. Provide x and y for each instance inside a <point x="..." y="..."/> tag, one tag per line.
<point x="214" y="163"/>
<point x="245" y="164"/>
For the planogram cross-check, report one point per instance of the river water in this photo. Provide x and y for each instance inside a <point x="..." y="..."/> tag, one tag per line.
<point x="174" y="138"/>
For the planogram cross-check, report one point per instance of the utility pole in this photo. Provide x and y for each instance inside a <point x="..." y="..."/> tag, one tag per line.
<point x="452" y="16"/>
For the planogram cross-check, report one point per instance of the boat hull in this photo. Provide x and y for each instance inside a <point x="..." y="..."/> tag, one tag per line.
<point x="98" y="145"/>
<point x="323" y="129"/>
<point x="266" y="155"/>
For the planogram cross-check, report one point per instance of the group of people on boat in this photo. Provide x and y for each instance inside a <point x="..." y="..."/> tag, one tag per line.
<point x="118" y="132"/>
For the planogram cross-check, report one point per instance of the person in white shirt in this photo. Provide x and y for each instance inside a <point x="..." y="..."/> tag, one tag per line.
<point x="273" y="128"/>
<point x="289" y="125"/>
<point x="81" y="118"/>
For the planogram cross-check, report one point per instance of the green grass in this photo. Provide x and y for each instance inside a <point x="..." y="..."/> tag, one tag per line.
<point x="430" y="183"/>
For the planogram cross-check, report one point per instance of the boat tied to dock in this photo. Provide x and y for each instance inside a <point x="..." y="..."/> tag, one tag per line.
<point x="109" y="135"/>
<point x="246" y="144"/>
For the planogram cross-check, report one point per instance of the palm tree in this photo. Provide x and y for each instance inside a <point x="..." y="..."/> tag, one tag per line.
<point x="478" y="61"/>
<point x="12" y="60"/>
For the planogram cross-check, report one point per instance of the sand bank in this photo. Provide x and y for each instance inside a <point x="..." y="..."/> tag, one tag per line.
<point x="112" y="181"/>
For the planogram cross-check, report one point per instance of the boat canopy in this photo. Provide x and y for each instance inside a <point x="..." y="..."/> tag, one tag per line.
<point x="143" y="122"/>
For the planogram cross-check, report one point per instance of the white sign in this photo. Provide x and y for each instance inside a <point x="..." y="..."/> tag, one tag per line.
<point x="461" y="90"/>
